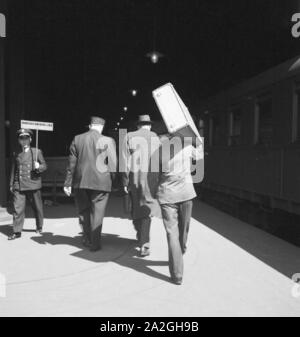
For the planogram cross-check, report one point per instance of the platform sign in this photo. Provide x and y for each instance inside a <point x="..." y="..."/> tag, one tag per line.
<point x="174" y="112"/>
<point x="38" y="126"/>
<point x="34" y="125"/>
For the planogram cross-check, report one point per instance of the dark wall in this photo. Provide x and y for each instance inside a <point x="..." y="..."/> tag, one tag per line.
<point x="71" y="59"/>
<point x="15" y="68"/>
<point x="2" y="113"/>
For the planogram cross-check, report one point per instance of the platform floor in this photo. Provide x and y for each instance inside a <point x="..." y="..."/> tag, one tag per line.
<point x="231" y="269"/>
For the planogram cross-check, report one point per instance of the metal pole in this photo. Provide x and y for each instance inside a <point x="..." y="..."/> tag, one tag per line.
<point x="36" y="144"/>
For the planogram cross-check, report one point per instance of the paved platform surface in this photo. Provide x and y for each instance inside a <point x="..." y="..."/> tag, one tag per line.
<point x="231" y="269"/>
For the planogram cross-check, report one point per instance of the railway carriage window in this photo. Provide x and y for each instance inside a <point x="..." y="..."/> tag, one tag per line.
<point x="296" y="115"/>
<point x="201" y="127"/>
<point x="264" y="125"/>
<point x="214" y="131"/>
<point x="235" y="127"/>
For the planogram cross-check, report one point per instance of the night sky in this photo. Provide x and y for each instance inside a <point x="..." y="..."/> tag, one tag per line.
<point x="83" y="57"/>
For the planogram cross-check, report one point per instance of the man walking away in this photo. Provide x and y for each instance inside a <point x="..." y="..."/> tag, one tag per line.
<point x="138" y="179"/>
<point x="175" y="194"/>
<point x="91" y="170"/>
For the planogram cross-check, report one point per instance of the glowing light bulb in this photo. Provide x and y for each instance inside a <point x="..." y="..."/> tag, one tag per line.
<point x="154" y="56"/>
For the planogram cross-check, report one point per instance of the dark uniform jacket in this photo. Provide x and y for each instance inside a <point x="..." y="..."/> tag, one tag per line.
<point x="92" y="162"/>
<point x="21" y="178"/>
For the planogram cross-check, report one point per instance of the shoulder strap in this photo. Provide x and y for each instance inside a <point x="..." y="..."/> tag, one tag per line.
<point x="32" y="158"/>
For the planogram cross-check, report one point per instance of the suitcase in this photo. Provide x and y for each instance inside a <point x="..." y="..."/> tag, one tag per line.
<point x="174" y="112"/>
<point x="179" y="121"/>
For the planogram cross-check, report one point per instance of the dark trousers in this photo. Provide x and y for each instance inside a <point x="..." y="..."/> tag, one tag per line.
<point x="91" y="206"/>
<point x="176" y="218"/>
<point x="142" y="227"/>
<point x="19" y="201"/>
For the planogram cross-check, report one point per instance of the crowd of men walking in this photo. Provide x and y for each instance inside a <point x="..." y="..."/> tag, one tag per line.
<point x="153" y="183"/>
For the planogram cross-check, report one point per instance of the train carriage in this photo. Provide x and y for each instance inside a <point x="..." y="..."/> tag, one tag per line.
<point x="252" y="139"/>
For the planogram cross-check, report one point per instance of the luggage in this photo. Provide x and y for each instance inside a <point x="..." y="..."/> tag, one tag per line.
<point x="174" y="112"/>
<point x="179" y="121"/>
<point x="127" y="203"/>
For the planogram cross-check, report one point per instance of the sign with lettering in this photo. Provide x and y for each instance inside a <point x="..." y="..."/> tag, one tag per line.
<point x="33" y="125"/>
<point x="296" y="26"/>
<point x="2" y="25"/>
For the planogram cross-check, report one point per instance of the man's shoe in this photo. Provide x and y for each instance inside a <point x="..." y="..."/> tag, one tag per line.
<point x="14" y="236"/>
<point x="95" y="249"/>
<point x="177" y="280"/>
<point x="144" y="252"/>
<point x="86" y="243"/>
<point x="39" y="231"/>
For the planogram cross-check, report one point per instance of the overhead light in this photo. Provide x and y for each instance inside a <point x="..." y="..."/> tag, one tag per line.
<point x="121" y="118"/>
<point x="133" y="92"/>
<point x="154" y="56"/>
<point x="125" y="108"/>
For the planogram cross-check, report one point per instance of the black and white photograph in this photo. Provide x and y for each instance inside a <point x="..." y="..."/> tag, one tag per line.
<point x="149" y="162"/>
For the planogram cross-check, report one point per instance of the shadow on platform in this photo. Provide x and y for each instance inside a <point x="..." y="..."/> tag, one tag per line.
<point x="67" y="209"/>
<point x="6" y="230"/>
<point x="127" y="257"/>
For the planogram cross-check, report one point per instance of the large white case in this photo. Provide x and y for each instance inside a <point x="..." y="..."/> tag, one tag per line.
<point x="178" y="120"/>
<point x="174" y="112"/>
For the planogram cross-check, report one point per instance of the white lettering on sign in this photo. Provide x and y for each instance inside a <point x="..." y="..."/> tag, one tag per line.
<point x="2" y="25"/>
<point x="296" y="26"/>
<point x="33" y="125"/>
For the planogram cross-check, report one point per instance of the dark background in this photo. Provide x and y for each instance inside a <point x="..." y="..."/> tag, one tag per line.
<point x="83" y="57"/>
